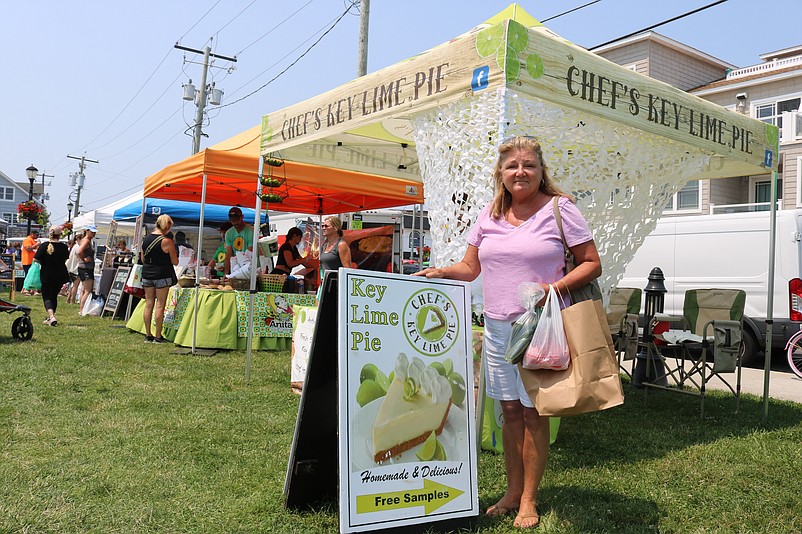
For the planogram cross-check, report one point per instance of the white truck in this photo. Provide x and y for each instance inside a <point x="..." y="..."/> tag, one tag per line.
<point x="729" y="251"/>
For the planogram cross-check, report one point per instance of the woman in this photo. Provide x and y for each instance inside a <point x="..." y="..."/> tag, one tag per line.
<point x="72" y="266"/>
<point x="52" y="260"/>
<point x="335" y="252"/>
<point x="158" y="258"/>
<point x="86" y="264"/>
<point x="516" y="239"/>
<point x="288" y="255"/>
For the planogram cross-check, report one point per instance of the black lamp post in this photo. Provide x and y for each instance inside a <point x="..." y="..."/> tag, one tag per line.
<point x="31" y="172"/>
<point x="70" y="205"/>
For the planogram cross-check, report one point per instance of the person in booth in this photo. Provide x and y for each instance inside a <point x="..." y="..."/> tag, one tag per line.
<point x="516" y="239"/>
<point x="335" y="252"/>
<point x="218" y="261"/>
<point x="239" y="237"/>
<point x="288" y="255"/>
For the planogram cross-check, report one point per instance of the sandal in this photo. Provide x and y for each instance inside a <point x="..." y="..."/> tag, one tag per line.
<point x="531" y="520"/>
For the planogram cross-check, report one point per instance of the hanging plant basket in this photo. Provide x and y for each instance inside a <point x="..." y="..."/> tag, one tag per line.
<point x="274" y="162"/>
<point x="29" y="210"/>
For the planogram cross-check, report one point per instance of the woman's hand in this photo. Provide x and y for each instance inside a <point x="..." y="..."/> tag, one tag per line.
<point x="431" y="272"/>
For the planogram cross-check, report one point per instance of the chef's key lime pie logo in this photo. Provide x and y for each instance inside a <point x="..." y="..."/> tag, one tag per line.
<point x="431" y="322"/>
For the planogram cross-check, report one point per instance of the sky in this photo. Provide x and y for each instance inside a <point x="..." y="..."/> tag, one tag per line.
<point x="103" y="80"/>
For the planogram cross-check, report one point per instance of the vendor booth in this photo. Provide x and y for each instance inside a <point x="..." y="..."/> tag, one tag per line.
<point x="622" y="143"/>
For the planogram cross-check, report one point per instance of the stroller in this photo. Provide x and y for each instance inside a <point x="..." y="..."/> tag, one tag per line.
<point x="22" y="327"/>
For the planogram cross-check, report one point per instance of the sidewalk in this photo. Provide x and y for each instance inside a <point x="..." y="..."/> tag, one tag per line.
<point x="782" y="385"/>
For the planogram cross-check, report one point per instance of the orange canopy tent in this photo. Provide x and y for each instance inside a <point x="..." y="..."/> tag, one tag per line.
<point x="231" y="176"/>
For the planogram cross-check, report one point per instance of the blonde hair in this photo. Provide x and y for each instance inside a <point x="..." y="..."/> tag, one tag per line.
<point x="503" y="199"/>
<point x="164" y="222"/>
<point x="335" y="222"/>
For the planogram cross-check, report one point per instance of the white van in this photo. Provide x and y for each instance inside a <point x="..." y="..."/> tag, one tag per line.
<point x="729" y="251"/>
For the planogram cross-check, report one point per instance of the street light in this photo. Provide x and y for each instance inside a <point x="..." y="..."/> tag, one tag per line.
<point x="31" y="172"/>
<point x="70" y="205"/>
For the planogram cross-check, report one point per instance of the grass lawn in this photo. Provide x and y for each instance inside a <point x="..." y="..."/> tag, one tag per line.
<point x="100" y="432"/>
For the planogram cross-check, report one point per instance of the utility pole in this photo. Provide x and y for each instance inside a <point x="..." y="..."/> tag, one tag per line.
<point x="80" y="180"/>
<point x="201" y="95"/>
<point x="43" y="175"/>
<point x="364" y="15"/>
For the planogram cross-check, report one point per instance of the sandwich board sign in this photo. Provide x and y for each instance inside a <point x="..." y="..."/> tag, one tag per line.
<point x="407" y="453"/>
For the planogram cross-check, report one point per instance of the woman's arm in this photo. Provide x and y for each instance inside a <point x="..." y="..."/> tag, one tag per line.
<point x="82" y="248"/>
<point x="345" y="253"/>
<point x="290" y="260"/>
<point x="168" y="246"/>
<point x="467" y="269"/>
<point x="588" y="267"/>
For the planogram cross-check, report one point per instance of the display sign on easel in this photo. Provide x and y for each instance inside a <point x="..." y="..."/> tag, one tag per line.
<point x="116" y="294"/>
<point x="406" y="421"/>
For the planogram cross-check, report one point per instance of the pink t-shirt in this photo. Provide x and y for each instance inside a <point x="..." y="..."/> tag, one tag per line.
<point x="531" y="252"/>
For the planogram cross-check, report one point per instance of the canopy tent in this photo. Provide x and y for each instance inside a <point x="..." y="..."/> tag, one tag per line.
<point x="182" y="213"/>
<point x="102" y="217"/>
<point x="621" y="142"/>
<point x="230" y="168"/>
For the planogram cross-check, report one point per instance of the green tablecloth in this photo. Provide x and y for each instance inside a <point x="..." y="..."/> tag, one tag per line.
<point x="223" y="318"/>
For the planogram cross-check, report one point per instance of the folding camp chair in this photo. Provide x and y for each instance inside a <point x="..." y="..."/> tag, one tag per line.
<point x="622" y="318"/>
<point x="710" y="343"/>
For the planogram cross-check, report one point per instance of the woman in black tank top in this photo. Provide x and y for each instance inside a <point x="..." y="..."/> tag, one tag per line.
<point x="158" y="255"/>
<point x="335" y="252"/>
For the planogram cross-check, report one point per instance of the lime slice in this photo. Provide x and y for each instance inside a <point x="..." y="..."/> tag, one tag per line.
<point x="428" y="449"/>
<point x="489" y="40"/>
<point x="534" y="66"/>
<point x="508" y="62"/>
<point x="517" y="38"/>
<point x="441" y="370"/>
<point x="382" y="381"/>
<point x="457" y="388"/>
<point x="439" y="452"/>
<point x="369" y="391"/>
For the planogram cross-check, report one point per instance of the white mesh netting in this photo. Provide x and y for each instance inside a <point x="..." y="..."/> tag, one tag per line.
<point x="622" y="177"/>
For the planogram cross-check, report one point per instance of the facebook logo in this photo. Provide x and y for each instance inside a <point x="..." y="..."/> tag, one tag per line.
<point x="768" y="158"/>
<point x="480" y="78"/>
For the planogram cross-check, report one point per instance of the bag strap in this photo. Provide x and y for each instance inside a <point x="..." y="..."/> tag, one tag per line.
<point x="153" y="244"/>
<point x="570" y="263"/>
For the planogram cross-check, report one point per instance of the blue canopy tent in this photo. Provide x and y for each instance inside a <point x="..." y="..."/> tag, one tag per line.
<point x="182" y="213"/>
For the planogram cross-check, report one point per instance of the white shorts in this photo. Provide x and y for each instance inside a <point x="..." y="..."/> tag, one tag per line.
<point x="502" y="379"/>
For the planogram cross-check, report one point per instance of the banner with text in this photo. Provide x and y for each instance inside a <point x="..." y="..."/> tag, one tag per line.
<point x="406" y="417"/>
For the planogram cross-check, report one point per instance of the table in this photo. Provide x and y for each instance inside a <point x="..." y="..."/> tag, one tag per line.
<point x="223" y="318"/>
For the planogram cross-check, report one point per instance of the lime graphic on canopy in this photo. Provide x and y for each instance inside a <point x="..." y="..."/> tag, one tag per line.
<point x="431" y="322"/>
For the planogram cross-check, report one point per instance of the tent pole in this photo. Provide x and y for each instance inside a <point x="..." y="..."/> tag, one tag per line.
<point x="770" y="300"/>
<point x="254" y="264"/>
<point x="197" y="262"/>
<point x="140" y="224"/>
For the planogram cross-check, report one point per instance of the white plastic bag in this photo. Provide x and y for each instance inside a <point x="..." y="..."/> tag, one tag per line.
<point x="548" y="348"/>
<point x="94" y="305"/>
<point x="530" y="293"/>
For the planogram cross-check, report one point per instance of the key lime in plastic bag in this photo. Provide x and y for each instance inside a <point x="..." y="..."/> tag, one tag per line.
<point x="523" y="328"/>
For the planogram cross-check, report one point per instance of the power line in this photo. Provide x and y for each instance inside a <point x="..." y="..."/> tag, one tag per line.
<point x="570" y="11"/>
<point x="658" y="24"/>
<point x="296" y="60"/>
<point x="271" y="30"/>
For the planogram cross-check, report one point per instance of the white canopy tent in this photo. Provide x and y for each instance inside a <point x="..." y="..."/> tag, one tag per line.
<point x="621" y="142"/>
<point x="102" y="217"/>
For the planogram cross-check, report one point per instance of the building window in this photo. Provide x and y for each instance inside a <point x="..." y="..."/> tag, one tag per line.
<point x="762" y="193"/>
<point x="772" y="112"/>
<point x="687" y="199"/>
<point x="11" y="218"/>
<point x="6" y="193"/>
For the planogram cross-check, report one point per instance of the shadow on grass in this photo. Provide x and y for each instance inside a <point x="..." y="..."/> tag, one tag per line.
<point x="665" y="423"/>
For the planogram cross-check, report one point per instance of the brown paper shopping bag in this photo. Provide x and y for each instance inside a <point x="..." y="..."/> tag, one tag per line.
<point x="591" y="383"/>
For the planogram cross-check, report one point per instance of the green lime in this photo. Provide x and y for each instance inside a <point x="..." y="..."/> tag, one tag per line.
<point x="772" y="135"/>
<point x="489" y="40"/>
<point x="449" y="366"/>
<point x="391" y="377"/>
<point x="517" y="37"/>
<point x="369" y="371"/>
<point x="437" y="366"/>
<point x="508" y="62"/>
<point x="428" y="449"/>
<point x="382" y="381"/>
<point x="439" y="453"/>
<point x="369" y="391"/>
<point x="534" y="66"/>
<point x="457" y="388"/>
